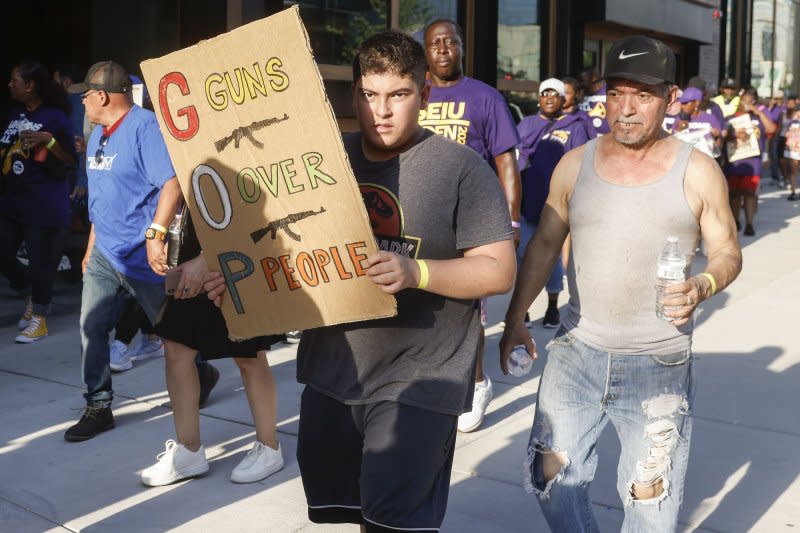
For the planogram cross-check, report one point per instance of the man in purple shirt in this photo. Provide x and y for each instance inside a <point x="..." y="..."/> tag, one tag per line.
<point x="470" y="112"/>
<point x="544" y="139"/>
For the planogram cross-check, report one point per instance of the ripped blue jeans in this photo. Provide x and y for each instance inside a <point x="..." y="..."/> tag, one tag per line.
<point x="648" y="400"/>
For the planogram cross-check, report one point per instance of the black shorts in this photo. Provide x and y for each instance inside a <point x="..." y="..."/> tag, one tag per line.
<point x="385" y="465"/>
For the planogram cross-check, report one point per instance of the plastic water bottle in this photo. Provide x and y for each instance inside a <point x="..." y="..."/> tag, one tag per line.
<point x="520" y="361"/>
<point x="174" y="241"/>
<point x="671" y="269"/>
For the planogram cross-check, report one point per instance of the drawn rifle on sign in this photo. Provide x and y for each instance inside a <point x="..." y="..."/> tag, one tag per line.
<point x="246" y="132"/>
<point x="283" y="224"/>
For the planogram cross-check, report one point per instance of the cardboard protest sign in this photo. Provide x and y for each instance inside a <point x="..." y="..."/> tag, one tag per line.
<point x="744" y="143"/>
<point x="263" y="170"/>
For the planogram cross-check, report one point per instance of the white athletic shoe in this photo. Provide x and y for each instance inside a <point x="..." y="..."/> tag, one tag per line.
<point x="119" y="360"/>
<point x="471" y="420"/>
<point x="146" y="348"/>
<point x="261" y="461"/>
<point x="176" y="462"/>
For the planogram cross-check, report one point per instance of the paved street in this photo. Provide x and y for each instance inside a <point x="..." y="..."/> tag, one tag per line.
<point x="743" y="471"/>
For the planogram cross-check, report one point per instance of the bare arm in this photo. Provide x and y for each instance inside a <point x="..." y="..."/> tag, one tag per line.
<point x="540" y="255"/>
<point x="483" y="271"/>
<point x="510" y="181"/>
<point x="168" y="201"/>
<point x="707" y="194"/>
<point x="33" y="139"/>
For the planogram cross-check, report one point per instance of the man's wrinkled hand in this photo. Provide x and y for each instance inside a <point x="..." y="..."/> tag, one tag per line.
<point x="157" y="256"/>
<point x="514" y="334"/>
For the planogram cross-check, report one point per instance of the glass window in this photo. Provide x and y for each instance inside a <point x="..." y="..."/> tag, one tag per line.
<point x="774" y="65"/>
<point x="519" y="47"/>
<point x="336" y="27"/>
<point x="414" y="15"/>
<point x="519" y="40"/>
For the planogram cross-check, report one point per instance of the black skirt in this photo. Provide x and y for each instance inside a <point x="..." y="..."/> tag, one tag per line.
<point x="197" y="322"/>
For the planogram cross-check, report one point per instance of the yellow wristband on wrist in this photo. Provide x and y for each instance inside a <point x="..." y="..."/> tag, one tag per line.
<point x="50" y="144"/>
<point x="711" y="280"/>
<point x="423" y="274"/>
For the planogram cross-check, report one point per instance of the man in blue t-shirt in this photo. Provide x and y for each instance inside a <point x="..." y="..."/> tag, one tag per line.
<point x="128" y="168"/>
<point x="470" y="112"/>
<point x="544" y="139"/>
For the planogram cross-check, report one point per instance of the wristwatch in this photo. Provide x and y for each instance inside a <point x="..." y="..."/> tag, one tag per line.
<point x="153" y="234"/>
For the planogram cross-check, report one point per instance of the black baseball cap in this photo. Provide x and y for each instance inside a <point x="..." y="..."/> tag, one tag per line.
<point x="642" y="59"/>
<point x="105" y="76"/>
<point x="727" y="83"/>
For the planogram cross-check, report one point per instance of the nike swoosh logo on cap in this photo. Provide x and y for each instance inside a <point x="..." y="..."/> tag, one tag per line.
<point x="623" y="55"/>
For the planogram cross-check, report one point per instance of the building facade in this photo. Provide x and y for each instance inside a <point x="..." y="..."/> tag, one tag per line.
<point x="511" y="44"/>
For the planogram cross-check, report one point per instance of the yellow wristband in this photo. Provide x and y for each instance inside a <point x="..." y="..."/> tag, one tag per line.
<point x="159" y="228"/>
<point x="711" y="280"/>
<point x="423" y="274"/>
<point x="50" y="144"/>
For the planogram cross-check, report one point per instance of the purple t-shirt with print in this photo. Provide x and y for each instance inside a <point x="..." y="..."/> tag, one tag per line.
<point x="595" y="107"/>
<point x="543" y="142"/>
<point x="472" y="113"/>
<point x="36" y="182"/>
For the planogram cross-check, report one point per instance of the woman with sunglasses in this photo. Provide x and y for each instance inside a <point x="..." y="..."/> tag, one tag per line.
<point x="38" y="159"/>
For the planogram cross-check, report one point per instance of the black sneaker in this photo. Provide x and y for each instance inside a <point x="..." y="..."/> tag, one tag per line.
<point x="749" y="231"/>
<point x="552" y="318"/>
<point x="792" y="197"/>
<point x="94" y="420"/>
<point x="208" y="379"/>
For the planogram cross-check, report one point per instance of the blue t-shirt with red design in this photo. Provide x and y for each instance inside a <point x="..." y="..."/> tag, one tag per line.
<point x="125" y="180"/>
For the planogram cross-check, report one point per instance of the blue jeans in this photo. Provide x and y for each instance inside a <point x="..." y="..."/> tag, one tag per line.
<point x="102" y="300"/>
<point x="526" y="232"/>
<point x="647" y="398"/>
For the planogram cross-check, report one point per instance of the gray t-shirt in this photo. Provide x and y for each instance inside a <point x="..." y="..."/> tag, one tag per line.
<point x="434" y="201"/>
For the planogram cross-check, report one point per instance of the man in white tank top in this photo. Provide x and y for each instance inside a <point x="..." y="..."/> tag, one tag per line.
<point x="620" y="197"/>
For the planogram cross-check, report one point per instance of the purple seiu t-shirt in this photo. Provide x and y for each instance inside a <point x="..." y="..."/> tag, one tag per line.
<point x="36" y="182"/>
<point x="752" y="165"/>
<point x="543" y="143"/>
<point x="595" y="107"/>
<point x="472" y="113"/>
<point x="698" y="132"/>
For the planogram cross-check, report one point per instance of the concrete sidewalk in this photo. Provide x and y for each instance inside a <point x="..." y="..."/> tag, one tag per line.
<point x="743" y="471"/>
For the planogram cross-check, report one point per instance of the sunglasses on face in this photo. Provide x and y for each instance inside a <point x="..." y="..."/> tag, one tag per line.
<point x="98" y="155"/>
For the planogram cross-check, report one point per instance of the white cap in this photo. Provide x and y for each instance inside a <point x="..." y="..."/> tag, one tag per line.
<point x="554" y="84"/>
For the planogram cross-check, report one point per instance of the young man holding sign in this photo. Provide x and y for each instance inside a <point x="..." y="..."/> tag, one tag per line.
<point x="379" y="412"/>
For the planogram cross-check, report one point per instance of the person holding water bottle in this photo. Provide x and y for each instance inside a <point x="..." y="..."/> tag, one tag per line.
<point x="613" y="359"/>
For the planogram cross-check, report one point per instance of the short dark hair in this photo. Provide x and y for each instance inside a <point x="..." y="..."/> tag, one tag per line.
<point x="391" y="52"/>
<point x="433" y="23"/>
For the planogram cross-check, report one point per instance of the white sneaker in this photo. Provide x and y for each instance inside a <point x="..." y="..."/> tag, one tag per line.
<point x="176" y="462"/>
<point x="293" y="337"/>
<point x="146" y="348"/>
<point x="261" y="461"/>
<point x="118" y="357"/>
<point x="471" y="420"/>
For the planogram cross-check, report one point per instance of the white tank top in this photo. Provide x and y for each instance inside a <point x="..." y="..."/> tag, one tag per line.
<point x="617" y="234"/>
